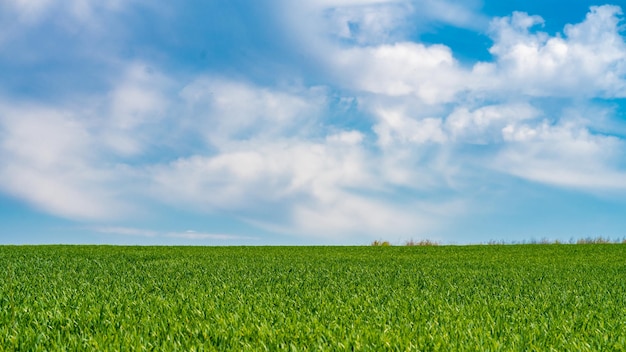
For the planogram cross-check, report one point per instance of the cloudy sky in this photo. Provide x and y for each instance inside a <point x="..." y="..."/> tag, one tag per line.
<point x="311" y="122"/>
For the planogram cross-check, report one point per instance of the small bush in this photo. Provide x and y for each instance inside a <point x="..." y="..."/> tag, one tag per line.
<point x="381" y="243"/>
<point x="411" y="243"/>
<point x="591" y="240"/>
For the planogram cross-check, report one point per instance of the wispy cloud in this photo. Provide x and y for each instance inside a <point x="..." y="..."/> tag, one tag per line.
<point x="193" y="235"/>
<point x="187" y="235"/>
<point x="125" y="231"/>
<point x="31" y="12"/>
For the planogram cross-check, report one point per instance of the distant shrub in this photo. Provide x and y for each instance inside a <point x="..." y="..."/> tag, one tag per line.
<point x="412" y="243"/>
<point x="542" y="241"/>
<point x="591" y="240"/>
<point x="545" y="241"/>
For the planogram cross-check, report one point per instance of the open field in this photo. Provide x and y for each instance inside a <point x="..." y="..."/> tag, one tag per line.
<point x="487" y="298"/>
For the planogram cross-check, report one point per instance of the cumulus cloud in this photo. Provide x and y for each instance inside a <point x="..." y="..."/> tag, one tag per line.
<point x="484" y="124"/>
<point x="496" y="103"/>
<point x="526" y="62"/>
<point x="396" y="127"/>
<point x="429" y="73"/>
<point x="588" y="60"/>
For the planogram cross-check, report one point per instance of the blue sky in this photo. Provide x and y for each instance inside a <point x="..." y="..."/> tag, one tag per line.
<point x="311" y="122"/>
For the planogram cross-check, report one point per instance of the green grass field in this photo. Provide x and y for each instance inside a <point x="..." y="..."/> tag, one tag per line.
<point x="467" y="298"/>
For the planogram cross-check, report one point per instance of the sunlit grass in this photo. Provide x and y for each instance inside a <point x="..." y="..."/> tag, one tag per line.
<point x="486" y="298"/>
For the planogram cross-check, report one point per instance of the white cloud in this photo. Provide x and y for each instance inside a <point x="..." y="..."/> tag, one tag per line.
<point x="368" y="23"/>
<point x="346" y="137"/>
<point x="138" y="98"/>
<point x="65" y="159"/>
<point x="429" y="73"/>
<point x="135" y="103"/>
<point x="262" y="172"/>
<point x="590" y="60"/>
<point x="126" y="120"/>
<point x="310" y="186"/>
<point x="347" y="215"/>
<point x="47" y="155"/>
<point x="378" y="21"/>
<point x="396" y="127"/>
<point x="484" y="124"/>
<point x="46" y="161"/>
<point x="227" y="109"/>
<point x="302" y="176"/>
<point x="566" y="155"/>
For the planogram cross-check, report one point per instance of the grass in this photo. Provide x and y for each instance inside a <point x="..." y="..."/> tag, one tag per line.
<point x="421" y="298"/>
